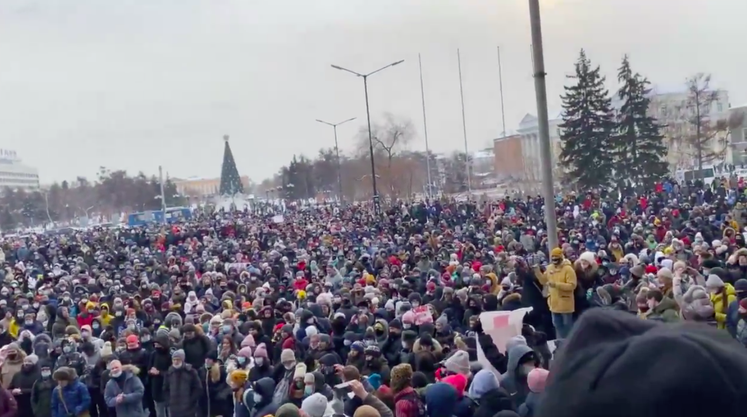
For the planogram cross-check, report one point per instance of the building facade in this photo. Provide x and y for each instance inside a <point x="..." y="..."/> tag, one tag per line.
<point x="738" y="139"/>
<point x="198" y="187"/>
<point x="530" y="145"/>
<point x="16" y="175"/>
<point x="508" y="157"/>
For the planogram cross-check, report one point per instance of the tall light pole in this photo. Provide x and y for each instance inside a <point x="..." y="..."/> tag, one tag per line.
<point x="425" y="131"/>
<point x="540" y="89"/>
<point x="377" y="207"/>
<point x="337" y="150"/>
<point x="467" y="162"/>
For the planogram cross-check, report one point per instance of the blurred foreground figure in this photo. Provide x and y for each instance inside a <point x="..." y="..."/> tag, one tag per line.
<point x="615" y="364"/>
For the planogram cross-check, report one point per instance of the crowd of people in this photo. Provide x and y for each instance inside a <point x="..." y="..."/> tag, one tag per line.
<point x="336" y="311"/>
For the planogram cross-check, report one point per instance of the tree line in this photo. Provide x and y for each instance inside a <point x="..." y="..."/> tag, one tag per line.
<point x="111" y="193"/>
<point x="626" y="146"/>
<point x="400" y="172"/>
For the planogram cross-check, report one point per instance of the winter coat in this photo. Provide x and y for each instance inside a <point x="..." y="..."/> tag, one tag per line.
<point x="24" y="380"/>
<point x="160" y="359"/>
<point x="132" y="389"/>
<point x="10" y="368"/>
<point x="41" y="397"/>
<point x="511" y="381"/>
<point x="8" y="404"/>
<point x="265" y="388"/>
<point x="196" y="349"/>
<point x="216" y="394"/>
<point x="407" y="403"/>
<point x="530" y="405"/>
<point x="561" y="295"/>
<point x="181" y="390"/>
<point x="493" y="402"/>
<point x="77" y="400"/>
<point x="720" y="306"/>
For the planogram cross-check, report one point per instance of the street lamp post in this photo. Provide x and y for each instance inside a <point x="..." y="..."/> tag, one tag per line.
<point x="337" y="150"/>
<point x="377" y="207"/>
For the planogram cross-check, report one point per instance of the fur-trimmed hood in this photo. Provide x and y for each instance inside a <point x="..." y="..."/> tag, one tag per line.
<point x="437" y="349"/>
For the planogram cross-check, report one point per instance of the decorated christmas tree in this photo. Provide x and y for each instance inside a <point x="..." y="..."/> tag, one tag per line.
<point x="230" y="181"/>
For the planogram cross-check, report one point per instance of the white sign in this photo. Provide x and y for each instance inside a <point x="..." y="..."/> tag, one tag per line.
<point x="278" y="219"/>
<point x="501" y="326"/>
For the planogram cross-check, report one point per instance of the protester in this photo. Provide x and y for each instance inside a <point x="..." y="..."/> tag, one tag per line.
<point x="336" y="310"/>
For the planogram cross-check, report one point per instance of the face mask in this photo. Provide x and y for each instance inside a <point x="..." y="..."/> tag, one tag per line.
<point x="226" y="328"/>
<point x="415" y="304"/>
<point x="131" y="327"/>
<point x="67" y="349"/>
<point x="29" y="322"/>
<point x="310" y="321"/>
<point x="289" y="366"/>
<point x="117" y="314"/>
<point x="241" y="360"/>
<point x="406" y="326"/>
<point x="178" y="366"/>
<point x="145" y="339"/>
<point x="257" y="398"/>
<point x="46" y="374"/>
<point x="209" y="363"/>
<point x="95" y="326"/>
<point x="308" y="390"/>
<point x="557" y="260"/>
<point x="347" y="343"/>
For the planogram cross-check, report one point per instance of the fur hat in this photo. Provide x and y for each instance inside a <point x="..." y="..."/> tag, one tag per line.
<point x="300" y="372"/>
<point x="714" y="282"/>
<point x="67" y="374"/>
<point x="238" y="377"/>
<point x="400" y="377"/>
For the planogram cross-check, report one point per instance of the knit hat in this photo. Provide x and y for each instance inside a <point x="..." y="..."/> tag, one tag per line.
<point x="400" y="377"/>
<point x="458" y="381"/>
<point x="443" y="320"/>
<point x="237" y="377"/>
<point x="178" y="354"/>
<point x="714" y="282"/>
<point x="261" y="351"/>
<point x="366" y="411"/>
<point x="740" y="286"/>
<point x="287" y="356"/>
<point x="33" y="359"/>
<point x="556" y="253"/>
<point x="288" y="410"/>
<point x="245" y="352"/>
<point x="309" y="379"/>
<point x="315" y="405"/>
<point x="300" y="372"/>
<point x="638" y="271"/>
<point x="132" y="339"/>
<point x="248" y="341"/>
<point x="375" y="380"/>
<point x="536" y="380"/>
<point x="106" y="351"/>
<point x="458" y="363"/>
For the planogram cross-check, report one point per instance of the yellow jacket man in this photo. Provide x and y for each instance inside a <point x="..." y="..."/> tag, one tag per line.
<point x="560" y="279"/>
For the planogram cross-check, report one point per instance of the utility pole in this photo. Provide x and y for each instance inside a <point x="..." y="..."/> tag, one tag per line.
<point x="163" y="195"/>
<point x="425" y="132"/>
<point x="544" y="129"/>
<point x="467" y="161"/>
<point x="500" y="82"/>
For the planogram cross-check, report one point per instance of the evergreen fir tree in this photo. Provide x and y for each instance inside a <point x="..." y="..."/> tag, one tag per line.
<point x="230" y="181"/>
<point x="638" y="143"/>
<point x="586" y="129"/>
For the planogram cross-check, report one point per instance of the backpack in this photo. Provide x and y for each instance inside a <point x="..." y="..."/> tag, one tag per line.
<point x="415" y="398"/>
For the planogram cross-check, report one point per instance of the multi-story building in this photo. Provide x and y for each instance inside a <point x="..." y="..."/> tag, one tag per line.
<point x="16" y="175"/>
<point x="508" y="157"/>
<point x="738" y="139"/>
<point x="196" y="187"/>
<point x="530" y="145"/>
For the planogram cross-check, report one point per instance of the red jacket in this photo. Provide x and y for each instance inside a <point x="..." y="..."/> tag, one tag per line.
<point x="407" y="403"/>
<point x="300" y="284"/>
<point x="87" y="320"/>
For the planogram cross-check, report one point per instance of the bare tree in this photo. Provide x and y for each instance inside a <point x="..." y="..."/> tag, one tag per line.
<point x="389" y="137"/>
<point x="707" y="139"/>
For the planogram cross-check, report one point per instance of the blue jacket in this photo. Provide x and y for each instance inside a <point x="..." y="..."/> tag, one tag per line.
<point x="132" y="389"/>
<point x="732" y="318"/>
<point x="77" y="400"/>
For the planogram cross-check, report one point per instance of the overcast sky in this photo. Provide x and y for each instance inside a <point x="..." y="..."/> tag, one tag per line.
<point x="132" y="84"/>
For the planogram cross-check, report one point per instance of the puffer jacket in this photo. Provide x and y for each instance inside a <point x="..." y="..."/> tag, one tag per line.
<point x="182" y="390"/>
<point x="561" y="294"/>
<point x="721" y="301"/>
<point x="132" y="390"/>
<point x="73" y="399"/>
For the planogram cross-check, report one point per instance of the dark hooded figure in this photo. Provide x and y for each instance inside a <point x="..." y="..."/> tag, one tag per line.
<point x="600" y="367"/>
<point x="23" y="383"/>
<point x="159" y="363"/>
<point x="267" y="316"/>
<point x="263" y="404"/>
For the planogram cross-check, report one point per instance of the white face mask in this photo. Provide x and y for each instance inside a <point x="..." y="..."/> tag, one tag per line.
<point x="404" y="344"/>
<point x="406" y="326"/>
<point x="257" y="398"/>
<point x="259" y="361"/>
